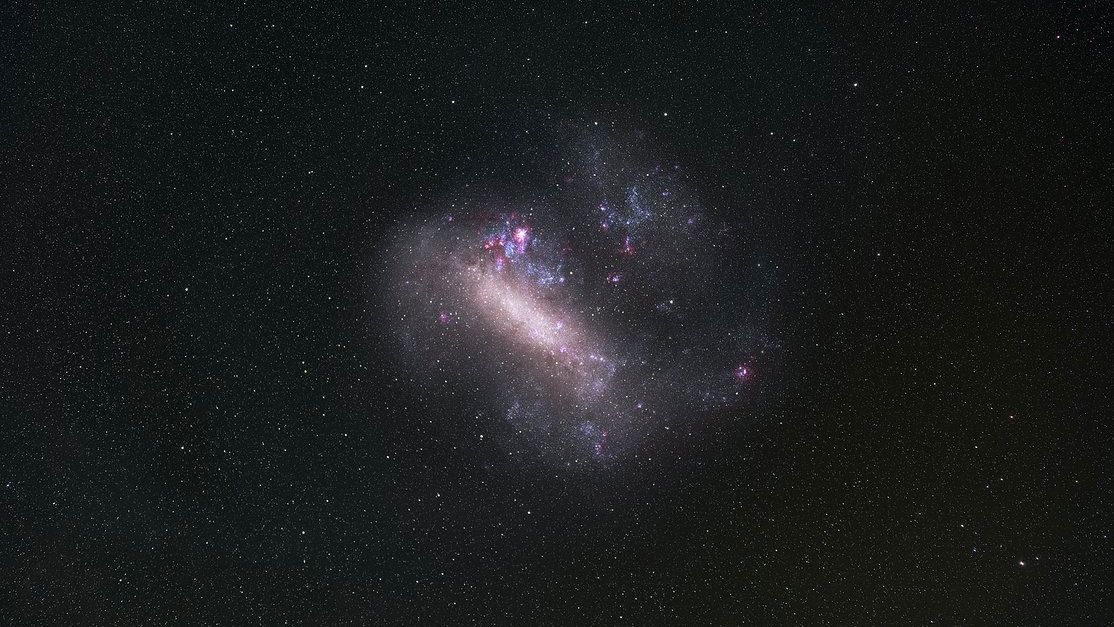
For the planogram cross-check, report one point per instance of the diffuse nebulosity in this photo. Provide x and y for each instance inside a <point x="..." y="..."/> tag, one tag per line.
<point x="592" y="318"/>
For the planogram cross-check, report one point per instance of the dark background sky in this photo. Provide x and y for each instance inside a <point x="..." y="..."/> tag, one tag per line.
<point x="202" y="421"/>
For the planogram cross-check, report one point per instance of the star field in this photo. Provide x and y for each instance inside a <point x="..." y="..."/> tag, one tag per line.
<point x="640" y="314"/>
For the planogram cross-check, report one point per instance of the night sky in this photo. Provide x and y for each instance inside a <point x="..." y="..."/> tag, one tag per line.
<point x="631" y="315"/>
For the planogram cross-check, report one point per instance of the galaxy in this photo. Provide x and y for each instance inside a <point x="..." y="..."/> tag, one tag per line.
<point x="595" y="317"/>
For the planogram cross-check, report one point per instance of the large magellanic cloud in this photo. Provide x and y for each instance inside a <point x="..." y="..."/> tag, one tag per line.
<point x="589" y="317"/>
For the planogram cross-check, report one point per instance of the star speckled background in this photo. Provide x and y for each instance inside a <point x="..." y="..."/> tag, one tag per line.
<point x="636" y="315"/>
